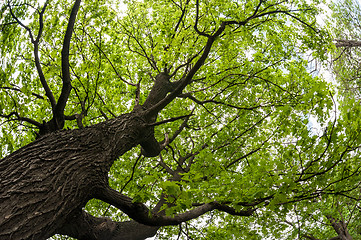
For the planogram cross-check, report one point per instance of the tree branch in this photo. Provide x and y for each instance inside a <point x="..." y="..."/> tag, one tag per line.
<point x="181" y="127"/>
<point x="207" y="48"/>
<point x="140" y="213"/>
<point x="196" y="22"/>
<point x="18" y="118"/>
<point x="184" y="82"/>
<point x="43" y="81"/>
<point x="340" y="228"/>
<point x="35" y="43"/>
<point x="310" y="237"/>
<point x="19" y="90"/>
<point x="109" y="61"/>
<point x="65" y="67"/>
<point x="87" y="227"/>
<point x="347" y="43"/>
<point x="20" y="23"/>
<point x="169" y="120"/>
<point x="133" y="171"/>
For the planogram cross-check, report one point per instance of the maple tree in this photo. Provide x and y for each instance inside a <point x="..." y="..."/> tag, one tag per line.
<point x="168" y="117"/>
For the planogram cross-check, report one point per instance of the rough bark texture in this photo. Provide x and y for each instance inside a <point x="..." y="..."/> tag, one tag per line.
<point x="87" y="227"/>
<point x="44" y="185"/>
<point x="53" y="177"/>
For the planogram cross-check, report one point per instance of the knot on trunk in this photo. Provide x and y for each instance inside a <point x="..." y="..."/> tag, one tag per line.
<point x="49" y="127"/>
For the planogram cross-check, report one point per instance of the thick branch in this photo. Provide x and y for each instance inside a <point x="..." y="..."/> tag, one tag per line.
<point x="347" y="43"/>
<point x="140" y="213"/>
<point x="86" y="227"/>
<point x="65" y="67"/>
<point x="183" y="82"/>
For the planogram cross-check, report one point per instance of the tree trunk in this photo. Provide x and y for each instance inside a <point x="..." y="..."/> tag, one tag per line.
<point x="341" y="228"/>
<point x="46" y="183"/>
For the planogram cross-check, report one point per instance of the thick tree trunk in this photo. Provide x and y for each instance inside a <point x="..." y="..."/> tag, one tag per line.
<point x="46" y="183"/>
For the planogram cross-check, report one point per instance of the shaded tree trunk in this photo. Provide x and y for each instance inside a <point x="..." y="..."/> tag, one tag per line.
<point x="45" y="185"/>
<point x="48" y="181"/>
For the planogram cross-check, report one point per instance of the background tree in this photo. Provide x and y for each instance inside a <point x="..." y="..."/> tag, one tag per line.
<point x="347" y="40"/>
<point x="340" y="211"/>
<point x="217" y="94"/>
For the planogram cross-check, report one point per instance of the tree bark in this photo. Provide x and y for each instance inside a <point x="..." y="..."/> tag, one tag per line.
<point x="44" y="185"/>
<point x="52" y="178"/>
<point x="87" y="227"/>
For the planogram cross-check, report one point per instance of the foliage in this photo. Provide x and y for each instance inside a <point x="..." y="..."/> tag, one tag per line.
<point x="246" y="138"/>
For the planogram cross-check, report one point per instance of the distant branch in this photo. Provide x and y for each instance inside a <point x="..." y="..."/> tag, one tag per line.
<point x="133" y="171"/>
<point x="310" y="237"/>
<point x="165" y="166"/>
<point x="18" y="118"/>
<point x="2" y="25"/>
<point x="20" y="23"/>
<point x="35" y="43"/>
<point x="109" y="61"/>
<point x="169" y="120"/>
<point x="220" y="103"/>
<point x="19" y="90"/>
<point x="43" y="81"/>
<point x="181" y="127"/>
<point x="196" y="22"/>
<point x="41" y="21"/>
<point x="347" y="43"/>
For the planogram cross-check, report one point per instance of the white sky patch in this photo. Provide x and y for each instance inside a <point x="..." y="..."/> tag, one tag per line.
<point x="325" y="72"/>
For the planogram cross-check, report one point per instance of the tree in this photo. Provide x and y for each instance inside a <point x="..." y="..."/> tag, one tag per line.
<point x="217" y="94"/>
<point x="344" y="25"/>
<point x="347" y="41"/>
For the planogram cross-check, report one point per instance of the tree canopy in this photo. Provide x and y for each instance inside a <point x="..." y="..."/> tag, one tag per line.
<point x="208" y="119"/>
